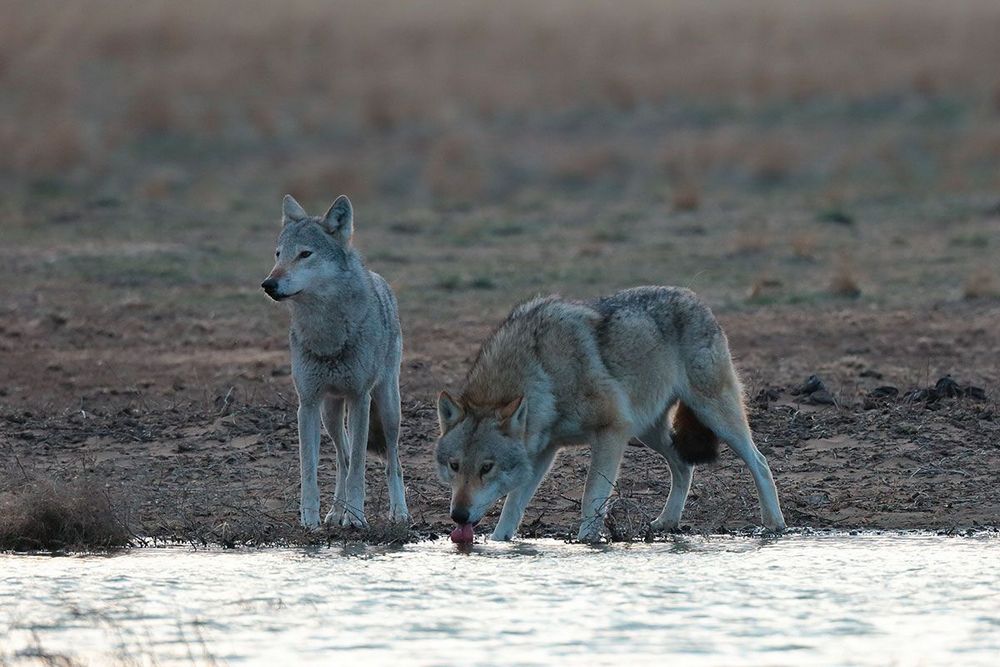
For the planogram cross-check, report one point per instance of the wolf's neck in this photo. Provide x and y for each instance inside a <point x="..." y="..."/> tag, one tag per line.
<point x="324" y="323"/>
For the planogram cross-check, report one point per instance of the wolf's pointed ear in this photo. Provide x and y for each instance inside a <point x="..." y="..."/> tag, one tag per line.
<point x="339" y="220"/>
<point x="514" y="417"/>
<point x="291" y="210"/>
<point x="449" y="412"/>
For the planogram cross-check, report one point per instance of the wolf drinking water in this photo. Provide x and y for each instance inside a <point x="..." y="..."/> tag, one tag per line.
<point x="648" y="362"/>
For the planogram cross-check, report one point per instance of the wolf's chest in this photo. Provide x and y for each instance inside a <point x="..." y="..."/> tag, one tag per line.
<point x="342" y="373"/>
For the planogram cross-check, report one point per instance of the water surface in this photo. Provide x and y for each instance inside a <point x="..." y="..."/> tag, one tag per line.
<point x="798" y="600"/>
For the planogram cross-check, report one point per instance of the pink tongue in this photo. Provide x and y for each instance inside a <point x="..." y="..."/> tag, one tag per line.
<point x="463" y="534"/>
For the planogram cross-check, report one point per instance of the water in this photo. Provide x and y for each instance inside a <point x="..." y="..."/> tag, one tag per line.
<point x="798" y="600"/>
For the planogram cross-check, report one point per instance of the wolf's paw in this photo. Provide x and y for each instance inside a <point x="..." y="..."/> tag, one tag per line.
<point x="353" y="520"/>
<point x="664" y="525"/>
<point x="399" y="515"/>
<point x="309" y="518"/>
<point x="776" y="527"/>
<point x="334" y="517"/>
<point x="502" y="535"/>
<point x="590" y="532"/>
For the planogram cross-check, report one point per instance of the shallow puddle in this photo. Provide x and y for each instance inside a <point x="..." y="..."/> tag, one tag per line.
<point x="802" y="599"/>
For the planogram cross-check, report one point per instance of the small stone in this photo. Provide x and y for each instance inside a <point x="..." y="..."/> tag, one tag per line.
<point x="822" y="397"/>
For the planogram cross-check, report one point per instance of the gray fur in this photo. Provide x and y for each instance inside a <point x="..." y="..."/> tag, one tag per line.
<point x="346" y="348"/>
<point x="596" y="373"/>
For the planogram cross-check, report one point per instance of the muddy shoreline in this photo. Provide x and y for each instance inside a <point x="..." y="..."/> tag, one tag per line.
<point x="197" y="444"/>
<point x="229" y="476"/>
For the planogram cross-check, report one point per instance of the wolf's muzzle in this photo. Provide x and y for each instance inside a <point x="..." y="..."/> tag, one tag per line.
<point x="270" y="287"/>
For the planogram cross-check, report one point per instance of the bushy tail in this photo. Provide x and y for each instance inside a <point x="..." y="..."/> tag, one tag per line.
<point x="376" y="436"/>
<point x="695" y="442"/>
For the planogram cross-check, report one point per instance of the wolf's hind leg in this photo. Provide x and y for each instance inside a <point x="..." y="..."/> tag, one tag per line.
<point x="386" y="399"/>
<point x="658" y="439"/>
<point x="605" y="457"/>
<point x="518" y="499"/>
<point x="333" y="420"/>
<point x="725" y="415"/>
<point x="358" y="411"/>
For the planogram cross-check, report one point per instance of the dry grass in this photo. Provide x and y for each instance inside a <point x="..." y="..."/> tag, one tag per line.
<point x="686" y="196"/>
<point x="140" y="70"/>
<point x="53" y="516"/>
<point x="764" y="287"/>
<point x="804" y="245"/>
<point x="750" y="240"/>
<point x="453" y="171"/>
<point x="627" y="515"/>
<point x="844" y="281"/>
<point x="323" y="177"/>
<point x="981" y="284"/>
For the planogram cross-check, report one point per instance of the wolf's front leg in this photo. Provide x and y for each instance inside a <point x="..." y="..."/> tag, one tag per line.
<point x="309" y="435"/>
<point x="518" y="499"/>
<point x="605" y="457"/>
<point x="357" y="433"/>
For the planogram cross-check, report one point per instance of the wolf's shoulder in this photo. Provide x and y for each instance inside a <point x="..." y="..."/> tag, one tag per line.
<point x="382" y="290"/>
<point x="513" y="341"/>
<point x="648" y="297"/>
<point x="549" y="310"/>
<point x="388" y="308"/>
<point x="677" y="311"/>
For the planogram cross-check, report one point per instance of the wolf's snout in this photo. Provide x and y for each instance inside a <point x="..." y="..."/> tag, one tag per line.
<point x="460" y="516"/>
<point x="269" y="285"/>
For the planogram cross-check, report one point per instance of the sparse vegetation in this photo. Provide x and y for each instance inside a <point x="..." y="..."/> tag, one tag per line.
<point x="750" y="241"/>
<point x="804" y="245"/>
<point x="686" y="197"/>
<point x="836" y="216"/>
<point x="844" y="282"/>
<point x="981" y="284"/>
<point x="58" y="516"/>
<point x="763" y="288"/>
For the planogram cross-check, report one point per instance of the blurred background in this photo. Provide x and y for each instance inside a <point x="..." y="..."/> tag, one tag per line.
<point x="770" y="155"/>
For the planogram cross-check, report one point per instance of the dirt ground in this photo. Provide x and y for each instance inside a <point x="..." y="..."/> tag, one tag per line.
<point x="825" y="175"/>
<point x="184" y="465"/>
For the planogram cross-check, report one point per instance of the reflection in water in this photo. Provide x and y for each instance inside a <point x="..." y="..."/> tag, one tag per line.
<point x="845" y="599"/>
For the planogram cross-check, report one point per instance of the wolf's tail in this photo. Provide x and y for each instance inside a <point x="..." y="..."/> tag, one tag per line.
<point x="376" y="436"/>
<point x="695" y="442"/>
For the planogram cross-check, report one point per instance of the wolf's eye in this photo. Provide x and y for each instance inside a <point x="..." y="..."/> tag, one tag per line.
<point x="305" y="253"/>
<point x="488" y="466"/>
<point x="453" y="465"/>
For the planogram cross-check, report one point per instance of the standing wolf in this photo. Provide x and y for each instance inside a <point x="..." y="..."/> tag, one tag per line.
<point x="346" y="349"/>
<point x="559" y="373"/>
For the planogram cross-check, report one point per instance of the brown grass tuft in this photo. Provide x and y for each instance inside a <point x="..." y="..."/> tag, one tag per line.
<point x="453" y="171"/>
<point x="981" y="284"/>
<point x="843" y="282"/>
<point x="59" y="148"/>
<point x="764" y="287"/>
<point x="749" y="241"/>
<point x="583" y="167"/>
<point x="150" y="112"/>
<point x="323" y="178"/>
<point x="772" y="160"/>
<point x="804" y="245"/>
<point x="686" y="197"/>
<point x="54" y="516"/>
